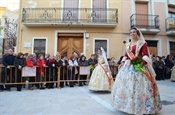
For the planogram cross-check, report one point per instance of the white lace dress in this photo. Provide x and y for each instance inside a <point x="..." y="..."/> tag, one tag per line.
<point x="99" y="79"/>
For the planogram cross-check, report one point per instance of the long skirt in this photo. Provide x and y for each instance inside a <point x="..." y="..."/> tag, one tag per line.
<point x="132" y="93"/>
<point x="173" y="74"/>
<point x="99" y="80"/>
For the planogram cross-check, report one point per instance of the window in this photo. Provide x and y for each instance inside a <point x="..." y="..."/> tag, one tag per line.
<point x="70" y="11"/>
<point x="171" y="9"/>
<point x="151" y="43"/>
<point x="171" y="12"/>
<point x="141" y="8"/>
<point x="100" y="43"/>
<point x="170" y="15"/>
<point x="39" y="46"/>
<point x="172" y="48"/>
<point x="99" y="12"/>
<point x="8" y="43"/>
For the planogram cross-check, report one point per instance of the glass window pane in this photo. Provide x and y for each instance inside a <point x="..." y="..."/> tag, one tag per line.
<point x="172" y="48"/>
<point x="99" y="13"/>
<point x="39" y="46"/>
<point x="100" y="43"/>
<point x="70" y="11"/>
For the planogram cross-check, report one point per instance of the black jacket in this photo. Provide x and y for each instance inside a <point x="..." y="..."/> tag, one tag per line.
<point x="83" y="63"/>
<point x="92" y="61"/>
<point x="63" y="69"/>
<point x="50" y="63"/>
<point x="19" y="61"/>
<point x="8" y="60"/>
<point x="60" y="62"/>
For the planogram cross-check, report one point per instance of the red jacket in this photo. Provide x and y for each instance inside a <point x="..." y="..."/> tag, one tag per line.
<point x="41" y="68"/>
<point x="29" y="63"/>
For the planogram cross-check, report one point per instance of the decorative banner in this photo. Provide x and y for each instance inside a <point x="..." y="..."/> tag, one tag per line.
<point x="28" y="71"/>
<point x="84" y="70"/>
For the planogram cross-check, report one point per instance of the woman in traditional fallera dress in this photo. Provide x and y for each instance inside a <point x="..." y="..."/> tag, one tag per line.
<point x="101" y="79"/>
<point x="173" y="74"/>
<point x="135" y="90"/>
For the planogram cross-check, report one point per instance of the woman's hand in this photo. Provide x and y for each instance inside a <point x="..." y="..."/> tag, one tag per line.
<point x="53" y="65"/>
<point x="143" y="63"/>
<point x="19" y="67"/>
<point x="63" y="64"/>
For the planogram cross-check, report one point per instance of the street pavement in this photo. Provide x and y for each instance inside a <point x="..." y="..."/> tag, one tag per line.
<point x="73" y="101"/>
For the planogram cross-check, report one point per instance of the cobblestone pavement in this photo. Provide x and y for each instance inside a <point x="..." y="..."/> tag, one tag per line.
<point x="73" y="101"/>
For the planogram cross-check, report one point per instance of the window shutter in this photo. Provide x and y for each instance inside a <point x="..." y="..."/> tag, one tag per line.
<point x="171" y="9"/>
<point x="71" y="3"/>
<point x="99" y="14"/>
<point x="141" y="8"/>
<point x="71" y="15"/>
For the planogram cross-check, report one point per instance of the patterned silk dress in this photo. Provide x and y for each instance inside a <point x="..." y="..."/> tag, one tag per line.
<point x="173" y="74"/>
<point x="132" y="92"/>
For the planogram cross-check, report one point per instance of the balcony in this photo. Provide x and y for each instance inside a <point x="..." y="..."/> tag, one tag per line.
<point x="170" y="26"/>
<point x="72" y="17"/>
<point x="148" y="24"/>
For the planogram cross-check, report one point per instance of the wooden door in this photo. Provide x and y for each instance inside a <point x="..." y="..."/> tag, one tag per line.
<point x="69" y="43"/>
<point x="152" y="46"/>
<point x="141" y="8"/>
<point x="153" y="50"/>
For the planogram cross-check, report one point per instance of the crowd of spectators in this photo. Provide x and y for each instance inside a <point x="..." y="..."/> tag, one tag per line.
<point x="46" y="72"/>
<point x="47" y="69"/>
<point x="163" y="66"/>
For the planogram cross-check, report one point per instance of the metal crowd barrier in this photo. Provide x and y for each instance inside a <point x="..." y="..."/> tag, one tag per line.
<point x="59" y="75"/>
<point x="10" y="77"/>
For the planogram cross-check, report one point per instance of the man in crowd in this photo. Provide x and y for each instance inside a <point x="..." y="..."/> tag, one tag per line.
<point x="92" y="61"/>
<point x="2" y="87"/>
<point x="8" y="61"/>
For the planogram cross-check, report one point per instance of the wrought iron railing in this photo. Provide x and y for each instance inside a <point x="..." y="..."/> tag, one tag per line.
<point x="144" y="21"/>
<point x="170" y="24"/>
<point x="67" y="15"/>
